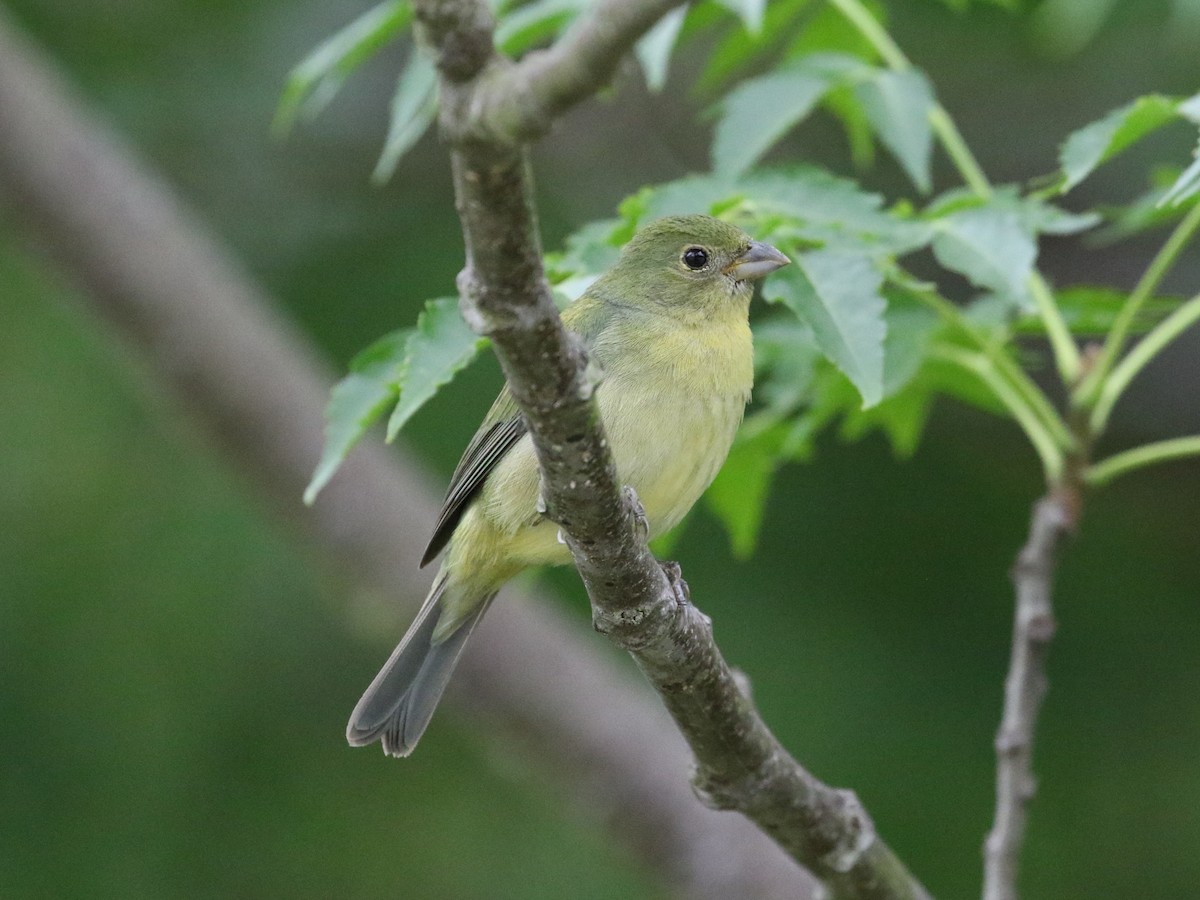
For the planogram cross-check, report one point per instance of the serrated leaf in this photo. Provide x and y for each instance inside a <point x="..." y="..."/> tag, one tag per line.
<point x="738" y="495"/>
<point x="318" y="77"/>
<point x="357" y="402"/>
<point x="1089" y="147"/>
<point x="654" y="49"/>
<point x="989" y="244"/>
<point x="813" y="204"/>
<point x="437" y="350"/>
<point x="898" y="104"/>
<point x="757" y="113"/>
<point x="837" y="292"/>
<point x="414" y="106"/>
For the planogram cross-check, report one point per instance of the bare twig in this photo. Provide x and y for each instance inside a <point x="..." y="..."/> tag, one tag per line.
<point x="1033" y="628"/>
<point x="257" y="389"/>
<point x="641" y="606"/>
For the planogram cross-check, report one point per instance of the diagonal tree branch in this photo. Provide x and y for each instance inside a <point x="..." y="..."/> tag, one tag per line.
<point x="1054" y="516"/>
<point x="643" y="607"/>
<point x="524" y="102"/>
<point x="257" y="390"/>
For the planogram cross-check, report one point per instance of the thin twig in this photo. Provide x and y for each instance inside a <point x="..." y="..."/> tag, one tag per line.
<point x="643" y="607"/>
<point x="256" y="389"/>
<point x="1101" y="473"/>
<point x="1033" y="628"/>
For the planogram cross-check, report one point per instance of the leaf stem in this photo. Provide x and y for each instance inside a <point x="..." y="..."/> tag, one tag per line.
<point x="1149" y="282"/>
<point x="860" y="17"/>
<point x="1066" y="351"/>
<point x="1119" y="463"/>
<point x="1149" y="347"/>
<point x="1005" y="366"/>
<point x="1039" y="435"/>
<point x="960" y="154"/>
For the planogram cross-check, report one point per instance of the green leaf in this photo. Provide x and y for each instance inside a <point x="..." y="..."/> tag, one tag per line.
<point x="828" y="31"/>
<point x="799" y="202"/>
<point x="910" y="327"/>
<point x="740" y="47"/>
<point x="757" y="113"/>
<point x="414" y="106"/>
<point x="589" y="252"/>
<point x="837" y="292"/>
<point x="654" y="49"/>
<point x="534" y="23"/>
<point x="989" y="244"/>
<point x="738" y="495"/>
<point x="1062" y="28"/>
<point x="1091" y="146"/>
<point x="320" y="75"/>
<point x="785" y="361"/>
<point x="1144" y="212"/>
<point x="1046" y="218"/>
<point x="901" y="417"/>
<point x="860" y="135"/>
<point x="897" y="104"/>
<point x="751" y="12"/>
<point x="1186" y="185"/>
<point x="438" y="349"/>
<point x="357" y="402"/>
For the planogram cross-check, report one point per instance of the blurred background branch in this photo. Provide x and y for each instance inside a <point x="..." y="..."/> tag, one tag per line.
<point x="254" y="386"/>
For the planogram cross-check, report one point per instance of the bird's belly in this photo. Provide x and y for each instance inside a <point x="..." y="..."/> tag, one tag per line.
<point x="670" y="449"/>
<point x="668" y="444"/>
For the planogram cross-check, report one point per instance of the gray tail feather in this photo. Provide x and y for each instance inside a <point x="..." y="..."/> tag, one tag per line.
<point x="399" y="703"/>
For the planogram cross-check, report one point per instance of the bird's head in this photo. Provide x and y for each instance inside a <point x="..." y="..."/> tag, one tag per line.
<point x="691" y="264"/>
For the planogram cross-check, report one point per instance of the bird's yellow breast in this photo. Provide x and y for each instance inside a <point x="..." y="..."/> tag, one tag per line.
<point x="671" y="406"/>
<point x="671" y="403"/>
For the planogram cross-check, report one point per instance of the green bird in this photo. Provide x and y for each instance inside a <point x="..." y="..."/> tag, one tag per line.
<point x="668" y="326"/>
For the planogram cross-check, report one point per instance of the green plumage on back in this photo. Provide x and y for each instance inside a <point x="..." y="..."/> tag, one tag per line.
<point x="668" y="326"/>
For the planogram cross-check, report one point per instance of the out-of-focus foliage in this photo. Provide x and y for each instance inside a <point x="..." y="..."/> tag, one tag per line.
<point x="847" y="250"/>
<point x="178" y="674"/>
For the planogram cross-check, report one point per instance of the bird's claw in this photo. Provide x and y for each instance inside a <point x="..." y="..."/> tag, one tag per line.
<point x="679" y="587"/>
<point x="639" y="511"/>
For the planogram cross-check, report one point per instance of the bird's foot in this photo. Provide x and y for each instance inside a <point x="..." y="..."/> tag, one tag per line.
<point x="639" y="511"/>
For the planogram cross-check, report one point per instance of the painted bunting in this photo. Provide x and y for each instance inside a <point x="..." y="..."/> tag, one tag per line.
<point x="668" y="326"/>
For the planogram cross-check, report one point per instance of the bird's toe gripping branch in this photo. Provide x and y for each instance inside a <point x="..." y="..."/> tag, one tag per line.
<point x="683" y="594"/>
<point x="634" y="504"/>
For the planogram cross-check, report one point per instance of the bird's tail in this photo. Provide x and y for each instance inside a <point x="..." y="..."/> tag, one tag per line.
<point x="399" y="703"/>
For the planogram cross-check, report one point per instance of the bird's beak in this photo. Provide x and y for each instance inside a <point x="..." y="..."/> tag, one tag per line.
<point x="758" y="261"/>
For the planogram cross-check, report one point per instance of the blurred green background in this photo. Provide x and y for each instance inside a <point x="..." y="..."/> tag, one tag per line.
<point x="175" y="672"/>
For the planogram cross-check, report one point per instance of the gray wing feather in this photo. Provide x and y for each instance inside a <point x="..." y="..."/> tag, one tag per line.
<point x="480" y="458"/>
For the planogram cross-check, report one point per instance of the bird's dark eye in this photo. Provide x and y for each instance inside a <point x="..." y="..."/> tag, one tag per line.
<point x="695" y="257"/>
